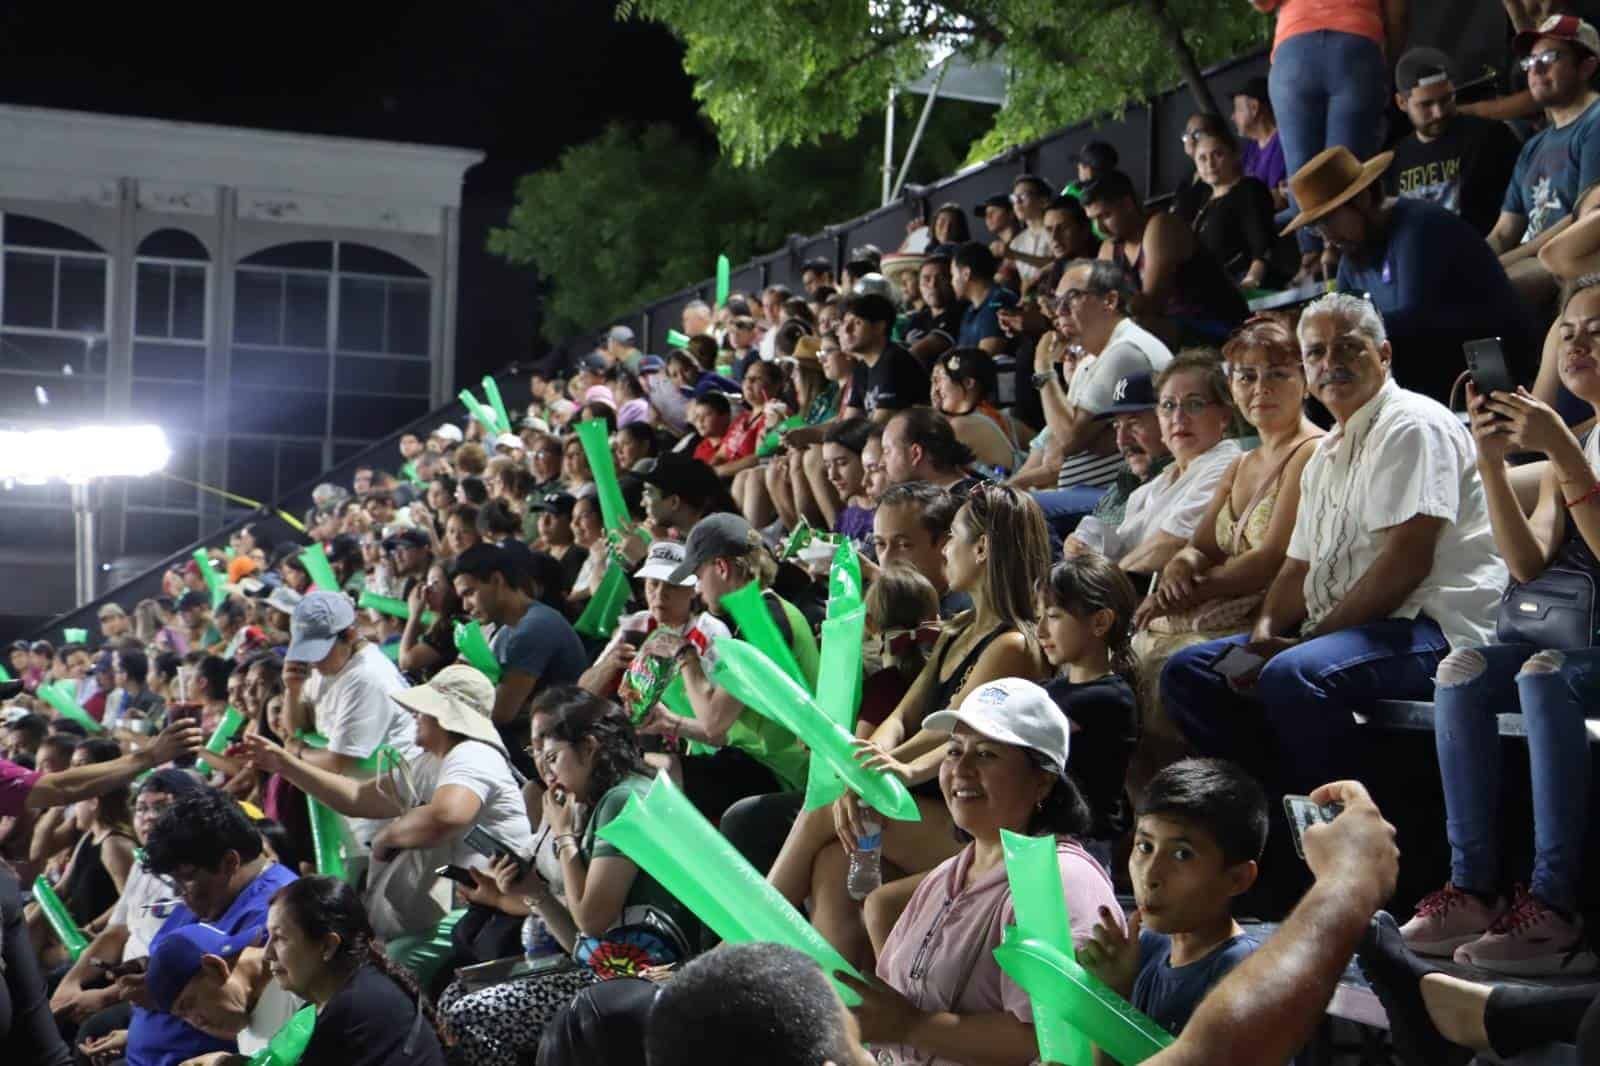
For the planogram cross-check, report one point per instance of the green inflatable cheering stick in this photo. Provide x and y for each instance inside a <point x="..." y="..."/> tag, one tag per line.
<point x="213" y="580"/>
<point x="761" y="685"/>
<point x="475" y="650"/>
<point x="222" y="736"/>
<point x="492" y="390"/>
<point x="59" y="695"/>
<point x="673" y="843"/>
<point x="1070" y="1005"/>
<point x="289" y="1043"/>
<point x="392" y="606"/>
<point x="56" y="916"/>
<point x="315" y="560"/>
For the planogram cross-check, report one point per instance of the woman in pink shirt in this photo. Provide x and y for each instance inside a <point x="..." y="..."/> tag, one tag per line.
<point x="941" y="999"/>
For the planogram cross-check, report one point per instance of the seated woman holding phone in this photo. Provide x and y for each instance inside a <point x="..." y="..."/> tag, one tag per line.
<point x="1546" y="651"/>
<point x="615" y="920"/>
<point x="463" y="780"/>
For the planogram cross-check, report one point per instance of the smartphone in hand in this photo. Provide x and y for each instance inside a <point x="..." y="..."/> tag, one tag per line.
<point x="1303" y="814"/>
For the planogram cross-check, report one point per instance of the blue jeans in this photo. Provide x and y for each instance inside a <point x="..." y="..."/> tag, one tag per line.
<point x="1468" y="740"/>
<point x="1296" y="720"/>
<point x="1327" y="88"/>
<point x="1064" y="509"/>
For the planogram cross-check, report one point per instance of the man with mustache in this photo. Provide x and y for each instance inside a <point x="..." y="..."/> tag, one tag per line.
<point x="1391" y="564"/>
<point x="1144" y="454"/>
<point x="1427" y="271"/>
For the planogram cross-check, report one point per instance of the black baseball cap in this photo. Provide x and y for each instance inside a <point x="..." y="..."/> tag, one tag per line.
<point x="192" y="599"/>
<point x="676" y="474"/>
<point x="999" y="199"/>
<point x="560" y="503"/>
<point x="1134" y="393"/>
<point x="410" y="538"/>
<point x="1421" y="67"/>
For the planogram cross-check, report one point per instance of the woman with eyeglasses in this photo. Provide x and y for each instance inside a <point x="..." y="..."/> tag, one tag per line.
<point x="1192" y="193"/>
<point x="425" y="649"/>
<point x="1195" y="413"/>
<point x="615" y="919"/>
<point x="1215" y="584"/>
<point x="997" y="552"/>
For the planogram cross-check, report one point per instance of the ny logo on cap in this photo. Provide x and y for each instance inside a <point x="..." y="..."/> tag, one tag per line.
<point x="1121" y="392"/>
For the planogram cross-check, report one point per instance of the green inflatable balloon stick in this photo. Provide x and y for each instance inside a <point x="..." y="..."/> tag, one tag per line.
<point x="475" y="649"/>
<point x="756" y="682"/>
<point x="327" y="839"/>
<point x="605" y="607"/>
<point x="748" y="609"/>
<point x="671" y="841"/>
<point x="774" y="437"/>
<point x="596" y="443"/>
<point x="213" y="580"/>
<point x="393" y="606"/>
<point x="5" y="675"/>
<point x="484" y="416"/>
<point x="838" y="695"/>
<point x="1041" y="908"/>
<point x="60" y="922"/>
<point x="724" y="279"/>
<point x="1059" y="986"/>
<point x="844" y="581"/>
<point x="491" y="389"/>
<point x="222" y="736"/>
<point x="75" y="636"/>
<point x="315" y="560"/>
<point x="59" y="696"/>
<point x="676" y="339"/>
<point x="289" y="1043"/>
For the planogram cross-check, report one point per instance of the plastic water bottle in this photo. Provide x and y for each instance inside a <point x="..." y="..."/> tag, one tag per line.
<point x="866" y="861"/>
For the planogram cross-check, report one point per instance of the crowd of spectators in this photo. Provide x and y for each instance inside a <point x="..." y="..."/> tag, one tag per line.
<point x="1134" y="559"/>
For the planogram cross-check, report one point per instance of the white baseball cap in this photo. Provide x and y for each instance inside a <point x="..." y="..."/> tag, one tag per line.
<point x="460" y="698"/>
<point x="664" y="557"/>
<point x="449" y="431"/>
<point x="1012" y="711"/>
<point x="509" y="440"/>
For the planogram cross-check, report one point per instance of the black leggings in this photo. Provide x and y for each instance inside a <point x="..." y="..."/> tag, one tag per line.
<point x="27" y="1031"/>
<point x="1519" y="1018"/>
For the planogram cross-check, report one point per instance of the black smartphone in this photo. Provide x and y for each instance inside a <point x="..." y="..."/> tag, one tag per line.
<point x="1303" y="814"/>
<point x="489" y="846"/>
<point x="458" y="874"/>
<point x="1486" y="364"/>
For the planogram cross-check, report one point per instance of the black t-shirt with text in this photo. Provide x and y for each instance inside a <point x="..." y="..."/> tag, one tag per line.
<point x="896" y="381"/>
<point x="1465" y="171"/>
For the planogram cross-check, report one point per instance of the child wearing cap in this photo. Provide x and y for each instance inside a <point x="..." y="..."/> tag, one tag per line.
<point x="1202" y="825"/>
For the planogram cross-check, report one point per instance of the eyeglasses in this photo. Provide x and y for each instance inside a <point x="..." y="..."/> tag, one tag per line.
<point x="1543" y="61"/>
<point x="1190" y="407"/>
<point x="1191" y="136"/>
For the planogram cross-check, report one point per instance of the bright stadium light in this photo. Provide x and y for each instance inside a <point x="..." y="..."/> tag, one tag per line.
<point x="78" y="456"/>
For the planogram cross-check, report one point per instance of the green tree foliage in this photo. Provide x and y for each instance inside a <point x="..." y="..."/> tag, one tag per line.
<point x="638" y="213"/>
<point x="771" y="73"/>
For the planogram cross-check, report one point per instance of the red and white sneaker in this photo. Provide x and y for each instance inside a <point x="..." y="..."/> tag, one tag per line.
<point x="1446" y="919"/>
<point x="1531" y="940"/>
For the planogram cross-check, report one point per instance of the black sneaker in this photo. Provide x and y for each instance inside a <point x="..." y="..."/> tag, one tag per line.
<point x="1395" y="974"/>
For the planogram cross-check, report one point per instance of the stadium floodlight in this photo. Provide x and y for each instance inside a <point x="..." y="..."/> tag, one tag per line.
<point x="79" y="456"/>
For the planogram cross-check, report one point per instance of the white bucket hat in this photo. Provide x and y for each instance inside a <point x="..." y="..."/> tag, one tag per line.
<point x="460" y="698"/>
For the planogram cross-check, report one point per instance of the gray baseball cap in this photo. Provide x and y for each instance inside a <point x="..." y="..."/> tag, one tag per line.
<point x="315" y="626"/>
<point x="714" y="537"/>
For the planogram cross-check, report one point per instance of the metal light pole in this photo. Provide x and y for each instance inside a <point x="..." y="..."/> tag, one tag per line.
<point x="86" y="554"/>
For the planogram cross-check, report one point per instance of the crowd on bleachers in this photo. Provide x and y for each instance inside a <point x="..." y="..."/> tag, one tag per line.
<point x="1133" y="560"/>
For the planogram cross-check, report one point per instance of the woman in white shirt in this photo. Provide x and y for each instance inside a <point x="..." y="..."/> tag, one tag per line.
<point x="1196" y="413"/>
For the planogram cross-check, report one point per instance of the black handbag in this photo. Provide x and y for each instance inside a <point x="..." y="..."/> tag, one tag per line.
<point x="1555" y="611"/>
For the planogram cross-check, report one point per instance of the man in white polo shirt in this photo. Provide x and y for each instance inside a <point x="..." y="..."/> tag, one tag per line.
<point x="1391" y="564"/>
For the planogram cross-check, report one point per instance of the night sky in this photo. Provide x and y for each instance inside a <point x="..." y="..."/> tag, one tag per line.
<point x="520" y="81"/>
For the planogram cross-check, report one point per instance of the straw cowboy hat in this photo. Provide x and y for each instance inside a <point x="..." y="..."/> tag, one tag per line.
<point x="1329" y="179"/>
<point x="460" y="698"/>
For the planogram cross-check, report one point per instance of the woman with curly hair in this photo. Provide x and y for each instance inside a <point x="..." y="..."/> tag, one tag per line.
<point x="612" y="918"/>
